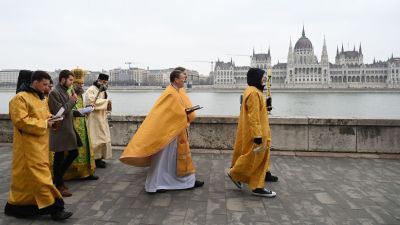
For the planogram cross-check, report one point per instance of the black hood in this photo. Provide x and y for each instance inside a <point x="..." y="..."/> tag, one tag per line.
<point x="24" y="77"/>
<point x="254" y="76"/>
<point x="27" y="88"/>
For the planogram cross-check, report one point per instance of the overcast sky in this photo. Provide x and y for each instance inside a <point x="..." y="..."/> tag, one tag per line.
<point x="100" y="34"/>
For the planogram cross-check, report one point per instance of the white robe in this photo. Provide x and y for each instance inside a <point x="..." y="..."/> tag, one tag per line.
<point x="162" y="171"/>
<point x="99" y="131"/>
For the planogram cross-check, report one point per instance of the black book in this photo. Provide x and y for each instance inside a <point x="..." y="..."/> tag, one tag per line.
<point x="193" y="108"/>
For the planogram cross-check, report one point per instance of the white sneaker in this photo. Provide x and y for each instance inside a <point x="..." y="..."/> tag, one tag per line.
<point x="263" y="192"/>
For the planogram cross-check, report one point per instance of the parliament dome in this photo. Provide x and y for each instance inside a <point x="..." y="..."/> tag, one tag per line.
<point x="303" y="42"/>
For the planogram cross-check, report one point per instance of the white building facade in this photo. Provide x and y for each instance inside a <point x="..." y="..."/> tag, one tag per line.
<point x="304" y="70"/>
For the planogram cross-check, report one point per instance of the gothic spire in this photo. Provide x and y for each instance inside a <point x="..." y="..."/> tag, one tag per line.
<point x="337" y="51"/>
<point x="324" y="56"/>
<point x="303" y="34"/>
<point x="359" y="50"/>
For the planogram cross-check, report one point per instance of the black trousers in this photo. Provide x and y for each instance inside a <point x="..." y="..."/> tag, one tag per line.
<point x="23" y="211"/>
<point x="61" y="164"/>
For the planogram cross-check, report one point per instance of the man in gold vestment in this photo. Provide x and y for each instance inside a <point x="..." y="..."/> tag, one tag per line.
<point x="161" y="142"/>
<point x="84" y="165"/>
<point x="32" y="192"/>
<point x="250" y="160"/>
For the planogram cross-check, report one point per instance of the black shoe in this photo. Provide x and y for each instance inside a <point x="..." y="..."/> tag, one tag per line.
<point x="198" y="183"/>
<point x="61" y="215"/>
<point x="236" y="183"/>
<point x="157" y="191"/>
<point x="271" y="178"/>
<point x="92" y="177"/>
<point x="263" y="192"/>
<point x="100" y="163"/>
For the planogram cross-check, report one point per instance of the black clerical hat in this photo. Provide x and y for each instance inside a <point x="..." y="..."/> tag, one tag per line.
<point x="103" y="76"/>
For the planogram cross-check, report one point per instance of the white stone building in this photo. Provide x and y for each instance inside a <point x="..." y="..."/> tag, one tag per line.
<point x="304" y="70"/>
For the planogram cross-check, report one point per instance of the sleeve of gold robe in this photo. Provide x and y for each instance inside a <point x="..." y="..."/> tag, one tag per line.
<point x="253" y="109"/>
<point x="21" y="119"/>
<point x="101" y="103"/>
<point x="191" y="116"/>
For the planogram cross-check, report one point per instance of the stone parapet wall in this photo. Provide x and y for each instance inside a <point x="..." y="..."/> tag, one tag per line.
<point x="292" y="134"/>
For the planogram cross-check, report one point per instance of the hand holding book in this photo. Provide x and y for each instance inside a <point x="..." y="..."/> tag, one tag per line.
<point x="54" y="121"/>
<point x="193" y="108"/>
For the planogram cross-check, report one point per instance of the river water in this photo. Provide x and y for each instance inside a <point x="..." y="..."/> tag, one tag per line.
<point x="321" y="104"/>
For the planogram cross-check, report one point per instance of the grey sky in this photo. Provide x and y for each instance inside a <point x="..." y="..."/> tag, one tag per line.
<point x="100" y="34"/>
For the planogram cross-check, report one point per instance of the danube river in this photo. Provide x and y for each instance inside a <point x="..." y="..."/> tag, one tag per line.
<point x="287" y="104"/>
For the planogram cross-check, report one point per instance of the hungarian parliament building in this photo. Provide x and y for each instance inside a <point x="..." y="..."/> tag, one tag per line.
<point x="303" y="70"/>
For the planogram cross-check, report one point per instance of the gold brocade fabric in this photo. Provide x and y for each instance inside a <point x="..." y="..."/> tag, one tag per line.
<point x="165" y="121"/>
<point x="247" y="166"/>
<point x="31" y="182"/>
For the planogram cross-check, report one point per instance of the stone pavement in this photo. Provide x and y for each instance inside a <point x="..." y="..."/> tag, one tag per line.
<point x="311" y="190"/>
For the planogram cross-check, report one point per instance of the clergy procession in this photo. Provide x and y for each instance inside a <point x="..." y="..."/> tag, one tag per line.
<point x="62" y="134"/>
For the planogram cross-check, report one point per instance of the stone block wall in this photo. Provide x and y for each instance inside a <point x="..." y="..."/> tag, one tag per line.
<point x="292" y="134"/>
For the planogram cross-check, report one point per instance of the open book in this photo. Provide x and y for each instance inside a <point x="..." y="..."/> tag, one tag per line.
<point x="86" y="110"/>
<point x="193" y="108"/>
<point x="58" y="115"/>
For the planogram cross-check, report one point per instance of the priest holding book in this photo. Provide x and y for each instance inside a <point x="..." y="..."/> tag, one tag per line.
<point x="162" y="143"/>
<point x="83" y="167"/>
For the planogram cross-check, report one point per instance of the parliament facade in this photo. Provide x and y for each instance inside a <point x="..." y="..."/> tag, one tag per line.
<point x="304" y="70"/>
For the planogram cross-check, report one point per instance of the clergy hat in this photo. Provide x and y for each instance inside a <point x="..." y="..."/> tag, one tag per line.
<point x="79" y="75"/>
<point x="103" y="76"/>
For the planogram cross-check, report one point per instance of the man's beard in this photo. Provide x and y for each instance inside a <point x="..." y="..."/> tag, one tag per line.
<point x="78" y="90"/>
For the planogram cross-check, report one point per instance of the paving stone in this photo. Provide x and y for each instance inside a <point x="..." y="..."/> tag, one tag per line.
<point x="213" y="219"/>
<point x="173" y="220"/>
<point x="310" y="190"/>
<point x="325" y="198"/>
<point x="178" y="206"/>
<point x="163" y="199"/>
<point x="196" y="213"/>
<point x="216" y="206"/>
<point x="155" y="215"/>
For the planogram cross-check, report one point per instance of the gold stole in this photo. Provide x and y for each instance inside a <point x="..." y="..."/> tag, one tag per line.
<point x="184" y="163"/>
